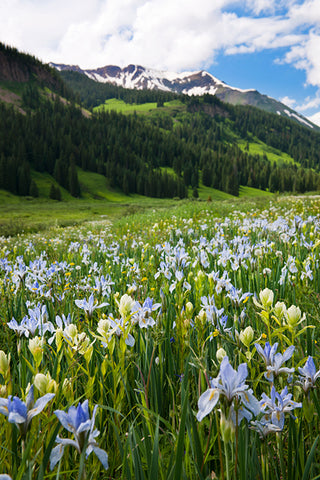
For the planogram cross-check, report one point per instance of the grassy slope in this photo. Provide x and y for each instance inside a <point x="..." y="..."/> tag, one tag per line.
<point x="97" y="201"/>
<point x="120" y="106"/>
<point x="256" y="147"/>
<point x="97" y="204"/>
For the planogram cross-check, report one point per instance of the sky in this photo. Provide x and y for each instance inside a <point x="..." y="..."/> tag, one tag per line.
<point x="270" y="45"/>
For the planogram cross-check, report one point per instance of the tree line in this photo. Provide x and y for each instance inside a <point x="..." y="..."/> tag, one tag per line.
<point x="159" y="155"/>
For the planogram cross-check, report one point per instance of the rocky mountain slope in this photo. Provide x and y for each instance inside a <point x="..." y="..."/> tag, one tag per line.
<point x="188" y="83"/>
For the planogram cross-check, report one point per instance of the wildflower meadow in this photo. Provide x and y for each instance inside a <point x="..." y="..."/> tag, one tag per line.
<point x="178" y="344"/>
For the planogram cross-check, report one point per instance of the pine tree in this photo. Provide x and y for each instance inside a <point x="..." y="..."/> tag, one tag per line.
<point x="24" y="179"/>
<point x="74" y="187"/>
<point x="33" y="191"/>
<point x="55" y="193"/>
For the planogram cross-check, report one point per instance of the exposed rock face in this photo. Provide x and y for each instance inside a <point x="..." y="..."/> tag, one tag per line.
<point x="12" y="69"/>
<point x="187" y="83"/>
<point x="21" y="67"/>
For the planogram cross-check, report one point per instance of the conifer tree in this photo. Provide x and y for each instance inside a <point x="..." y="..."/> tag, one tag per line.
<point x="74" y="187"/>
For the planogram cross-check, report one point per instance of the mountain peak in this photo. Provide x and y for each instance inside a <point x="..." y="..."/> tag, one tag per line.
<point x="187" y="83"/>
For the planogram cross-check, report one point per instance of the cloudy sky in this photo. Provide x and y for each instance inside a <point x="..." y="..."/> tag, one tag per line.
<point x="270" y="45"/>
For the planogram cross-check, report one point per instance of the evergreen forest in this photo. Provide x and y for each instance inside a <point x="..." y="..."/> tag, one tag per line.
<point x="165" y="153"/>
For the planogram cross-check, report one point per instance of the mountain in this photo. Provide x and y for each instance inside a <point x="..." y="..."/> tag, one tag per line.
<point x="23" y="68"/>
<point x="187" y="83"/>
<point x="179" y="144"/>
<point x="24" y="79"/>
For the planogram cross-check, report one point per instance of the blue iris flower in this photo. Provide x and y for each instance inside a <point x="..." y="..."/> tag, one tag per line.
<point x="231" y="384"/>
<point x="277" y="405"/>
<point x="308" y="375"/>
<point x="21" y="413"/>
<point x="273" y="360"/>
<point x="89" y="306"/>
<point x="77" y="421"/>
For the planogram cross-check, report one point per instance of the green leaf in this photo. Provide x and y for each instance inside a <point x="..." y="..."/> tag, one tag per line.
<point x="310" y="459"/>
<point x="47" y="452"/>
<point x="154" y="467"/>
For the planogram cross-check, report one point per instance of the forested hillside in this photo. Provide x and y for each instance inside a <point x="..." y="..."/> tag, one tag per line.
<point x="160" y="154"/>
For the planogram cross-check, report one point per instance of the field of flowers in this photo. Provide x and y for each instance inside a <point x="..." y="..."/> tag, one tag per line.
<point x="176" y="345"/>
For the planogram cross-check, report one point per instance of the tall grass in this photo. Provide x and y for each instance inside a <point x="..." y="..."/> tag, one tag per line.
<point x="224" y="280"/>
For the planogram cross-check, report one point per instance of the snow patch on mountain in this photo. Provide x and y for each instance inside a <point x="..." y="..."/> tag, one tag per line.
<point x="297" y="117"/>
<point x="195" y="83"/>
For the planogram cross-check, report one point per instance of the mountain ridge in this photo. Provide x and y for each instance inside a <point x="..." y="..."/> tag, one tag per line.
<point x="195" y="83"/>
<point x="184" y="143"/>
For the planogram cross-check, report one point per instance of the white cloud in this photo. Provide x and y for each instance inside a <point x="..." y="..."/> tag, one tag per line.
<point x="310" y="103"/>
<point x="315" y="118"/>
<point x="165" y="34"/>
<point x="290" y="102"/>
<point x="174" y="34"/>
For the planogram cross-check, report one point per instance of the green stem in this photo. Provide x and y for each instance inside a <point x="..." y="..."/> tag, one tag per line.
<point x="226" y="459"/>
<point x="207" y="447"/>
<point x="149" y="374"/>
<point x="269" y="330"/>
<point x="219" y="446"/>
<point x="264" y="461"/>
<point x="280" y="453"/>
<point x="236" y="454"/>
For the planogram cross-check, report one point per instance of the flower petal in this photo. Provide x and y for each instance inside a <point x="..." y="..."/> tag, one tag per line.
<point x="64" y="419"/>
<point x="207" y="402"/>
<point x="4" y="406"/>
<point x="56" y="455"/>
<point x="39" y="405"/>
<point x="102" y="455"/>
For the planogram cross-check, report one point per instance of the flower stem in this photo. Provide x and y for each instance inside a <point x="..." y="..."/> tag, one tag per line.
<point x="226" y="456"/>
<point x="237" y="439"/>
<point x="219" y="446"/>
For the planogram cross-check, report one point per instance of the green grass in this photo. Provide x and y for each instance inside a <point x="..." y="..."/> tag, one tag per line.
<point x="120" y="106"/>
<point x="257" y="147"/>
<point x="44" y="182"/>
<point x="98" y="204"/>
<point x="253" y="192"/>
<point x="206" y="193"/>
<point x="15" y="87"/>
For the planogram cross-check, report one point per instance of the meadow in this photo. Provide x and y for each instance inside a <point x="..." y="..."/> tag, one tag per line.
<point x="173" y="343"/>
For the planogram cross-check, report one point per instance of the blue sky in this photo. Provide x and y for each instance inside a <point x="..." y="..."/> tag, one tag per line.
<point x="270" y="45"/>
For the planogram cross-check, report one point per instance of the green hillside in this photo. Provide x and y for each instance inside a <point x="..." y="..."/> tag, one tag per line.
<point x="66" y="132"/>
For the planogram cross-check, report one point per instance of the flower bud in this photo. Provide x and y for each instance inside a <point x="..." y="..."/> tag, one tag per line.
<point x="67" y="389"/>
<point x="103" y="327"/>
<point x="45" y="384"/>
<point x="132" y="289"/>
<point x="266" y="297"/>
<point x="59" y="338"/>
<point x="125" y="305"/>
<point x="201" y="276"/>
<point x="280" y="310"/>
<point x="246" y="336"/>
<point x="36" y="345"/>
<point x="293" y="316"/>
<point x="72" y="331"/>
<point x="202" y="315"/>
<point x="3" y="391"/>
<point x="189" y="309"/>
<point x="220" y="354"/>
<point x="227" y="429"/>
<point x="4" y="364"/>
